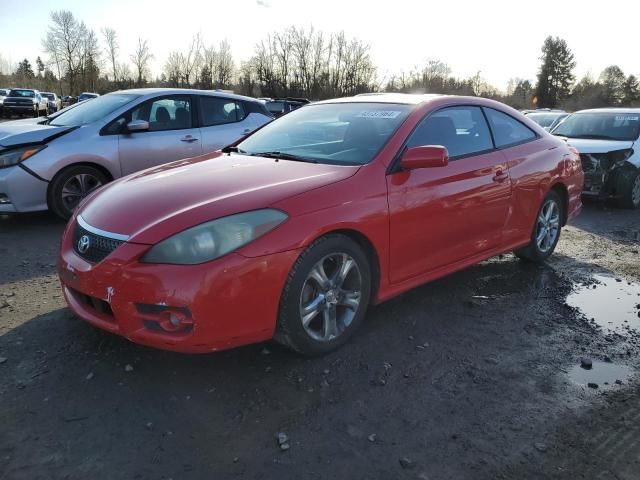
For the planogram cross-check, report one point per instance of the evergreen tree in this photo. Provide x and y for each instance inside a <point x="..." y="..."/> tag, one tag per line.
<point x="40" y="66"/>
<point x="24" y="70"/>
<point x="555" y="76"/>
<point x="613" y="79"/>
<point x="630" y="91"/>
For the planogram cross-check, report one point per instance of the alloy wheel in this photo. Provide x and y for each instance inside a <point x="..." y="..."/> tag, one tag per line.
<point x="330" y="296"/>
<point x="548" y="225"/>
<point x="77" y="187"/>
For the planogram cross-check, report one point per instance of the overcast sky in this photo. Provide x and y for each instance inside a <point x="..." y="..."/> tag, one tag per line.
<point x="502" y="39"/>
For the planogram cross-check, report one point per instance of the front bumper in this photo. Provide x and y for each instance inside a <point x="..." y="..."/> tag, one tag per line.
<point x="24" y="191"/>
<point x="19" y="108"/>
<point x="225" y="303"/>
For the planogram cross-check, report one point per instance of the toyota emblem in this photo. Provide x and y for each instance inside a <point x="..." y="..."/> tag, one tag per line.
<point x="83" y="244"/>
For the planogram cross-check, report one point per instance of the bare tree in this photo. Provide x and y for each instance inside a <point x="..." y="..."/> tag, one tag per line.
<point x="140" y="60"/>
<point x="111" y="40"/>
<point x="63" y="42"/>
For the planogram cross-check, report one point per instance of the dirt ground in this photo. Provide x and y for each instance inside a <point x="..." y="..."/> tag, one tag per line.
<point x="475" y="376"/>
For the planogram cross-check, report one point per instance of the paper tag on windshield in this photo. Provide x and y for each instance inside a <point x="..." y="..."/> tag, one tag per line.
<point x="378" y="114"/>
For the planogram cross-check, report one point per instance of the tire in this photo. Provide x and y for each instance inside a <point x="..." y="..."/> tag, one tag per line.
<point x="36" y="114"/>
<point x="303" y="289"/>
<point x="546" y="230"/>
<point x="627" y="185"/>
<point x="70" y="186"/>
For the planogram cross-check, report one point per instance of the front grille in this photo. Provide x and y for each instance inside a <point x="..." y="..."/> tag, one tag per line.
<point x="99" y="246"/>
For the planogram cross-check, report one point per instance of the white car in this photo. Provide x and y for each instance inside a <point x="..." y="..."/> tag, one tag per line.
<point x="55" y="162"/>
<point x="608" y="140"/>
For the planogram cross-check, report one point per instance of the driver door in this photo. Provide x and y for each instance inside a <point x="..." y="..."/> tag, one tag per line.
<point x="443" y="215"/>
<point x="171" y="136"/>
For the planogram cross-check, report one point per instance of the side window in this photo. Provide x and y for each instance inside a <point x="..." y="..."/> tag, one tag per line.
<point x="218" y="111"/>
<point x="166" y="113"/>
<point x="507" y="130"/>
<point x="462" y="130"/>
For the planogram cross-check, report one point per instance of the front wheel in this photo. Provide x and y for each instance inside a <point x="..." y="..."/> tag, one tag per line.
<point x="628" y="187"/>
<point x="546" y="231"/>
<point x="325" y="297"/>
<point x="71" y="185"/>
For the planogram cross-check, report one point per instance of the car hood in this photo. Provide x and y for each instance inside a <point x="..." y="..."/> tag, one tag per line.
<point x="18" y="133"/>
<point x="587" y="145"/>
<point x="154" y="204"/>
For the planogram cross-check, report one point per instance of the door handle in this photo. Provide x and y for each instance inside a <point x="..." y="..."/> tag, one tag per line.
<point x="246" y="130"/>
<point x="188" y="139"/>
<point x="500" y="175"/>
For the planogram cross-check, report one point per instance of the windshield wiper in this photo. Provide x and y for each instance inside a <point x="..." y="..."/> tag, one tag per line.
<point x="283" y="156"/>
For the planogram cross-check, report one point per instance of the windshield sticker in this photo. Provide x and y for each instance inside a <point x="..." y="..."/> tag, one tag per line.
<point x="622" y="118"/>
<point x="378" y="114"/>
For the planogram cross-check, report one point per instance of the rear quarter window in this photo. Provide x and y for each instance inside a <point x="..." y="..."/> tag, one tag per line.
<point x="507" y="131"/>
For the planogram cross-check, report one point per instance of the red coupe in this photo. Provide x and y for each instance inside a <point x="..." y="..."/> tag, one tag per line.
<point x="291" y="233"/>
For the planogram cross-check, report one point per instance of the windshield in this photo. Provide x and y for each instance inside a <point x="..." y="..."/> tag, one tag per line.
<point x="600" y="125"/>
<point x="335" y="133"/>
<point x="90" y="112"/>
<point x="22" y="93"/>
<point x="544" y="119"/>
<point x="50" y="96"/>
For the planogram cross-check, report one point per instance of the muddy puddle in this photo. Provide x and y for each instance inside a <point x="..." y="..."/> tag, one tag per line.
<point x="610" y="303"/>
<point x="601" y="375"/>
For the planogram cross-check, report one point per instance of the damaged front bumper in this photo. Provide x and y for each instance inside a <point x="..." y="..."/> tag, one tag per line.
<point x="600" y="172"/>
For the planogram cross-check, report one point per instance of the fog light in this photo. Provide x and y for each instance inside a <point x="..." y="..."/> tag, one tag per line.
<point x="4" y="199"/>
<point x="162" y="318"/>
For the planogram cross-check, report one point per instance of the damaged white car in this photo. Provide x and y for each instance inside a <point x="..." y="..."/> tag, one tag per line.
<point x="609" y="146"/>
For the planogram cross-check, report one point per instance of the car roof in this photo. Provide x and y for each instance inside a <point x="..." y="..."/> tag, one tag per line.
<point x="610" y="110"/>
<point x="405" y="98"/>
<point x="187" y="91"/>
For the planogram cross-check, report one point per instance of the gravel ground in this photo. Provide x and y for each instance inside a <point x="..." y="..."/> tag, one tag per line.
<point x="473" y="376"/>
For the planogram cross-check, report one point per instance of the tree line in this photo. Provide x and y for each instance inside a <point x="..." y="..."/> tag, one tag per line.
<point x="295" y="62"/>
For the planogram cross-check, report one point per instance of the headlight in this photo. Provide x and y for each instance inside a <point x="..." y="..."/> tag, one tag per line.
<point x="17" y="155"/>
<point x="214" y="239"/>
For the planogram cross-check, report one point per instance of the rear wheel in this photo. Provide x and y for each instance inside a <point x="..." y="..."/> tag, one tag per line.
<point x="546" y="231"/>
<point x="326" y="296"/>
<point x="71" y="185"/>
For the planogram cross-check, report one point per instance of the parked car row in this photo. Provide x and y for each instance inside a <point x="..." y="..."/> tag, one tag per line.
<point x="24" y="101"/>
<point x="293" y="231"/>
<point x="229" y="228"/>
<point x="30" y="102"/>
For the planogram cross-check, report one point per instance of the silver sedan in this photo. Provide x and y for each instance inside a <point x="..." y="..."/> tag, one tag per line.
<point x="54" y="163"/>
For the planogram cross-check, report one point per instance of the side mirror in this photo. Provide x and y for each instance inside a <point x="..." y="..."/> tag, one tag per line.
<point x="138" y="126"/>
<point x="427" y="156"/>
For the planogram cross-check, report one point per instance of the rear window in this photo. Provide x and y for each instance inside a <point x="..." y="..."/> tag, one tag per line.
<point x="22" y="93"/>
<point x="220" y="110"/>
<point x="275" y="107"/>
